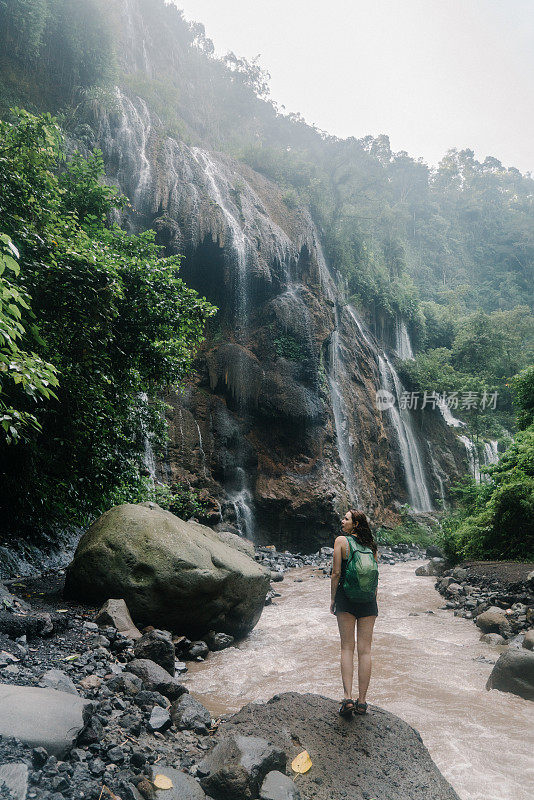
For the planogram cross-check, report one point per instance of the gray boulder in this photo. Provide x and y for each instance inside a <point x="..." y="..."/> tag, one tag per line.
<point x="56" y="679"/>
<point x="157" y="646"/>
<point x="528" y="641"/>
<point x="155" y="678"/>
<point x="494" y="620"/>
<point x="237" y="766"/>
<point x="173" y="574"/>
<point x="514" y="672"/>
<point x="184" y="787"/>
<point x="61" y="717"/>
<point x="188" y="714"/>
<point x="278" y="786"/>
<point x="492" y="638"/>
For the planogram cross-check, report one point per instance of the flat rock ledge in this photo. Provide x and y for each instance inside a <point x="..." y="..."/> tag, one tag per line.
<point x="376" y="755"/>
<point x="43" y="717"/>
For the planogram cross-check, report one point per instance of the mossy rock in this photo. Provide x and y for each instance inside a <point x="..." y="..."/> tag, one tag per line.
<point x="172" y="574"/>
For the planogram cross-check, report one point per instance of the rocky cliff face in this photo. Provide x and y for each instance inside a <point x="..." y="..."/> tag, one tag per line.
<point x="279" y="426"/>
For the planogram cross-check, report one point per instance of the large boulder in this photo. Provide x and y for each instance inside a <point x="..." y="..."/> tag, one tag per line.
<point x="374" y="755"/>
<point x="43" y="717"/>
<point x="494" y="620"/>
<point x="514" y="672"/>
<point x="172" y="574"/>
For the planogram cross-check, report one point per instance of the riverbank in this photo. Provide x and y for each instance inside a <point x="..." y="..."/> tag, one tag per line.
<point x="47" y="641"/>
<point x="472" y="588"/>
<point x="283" y="650"/>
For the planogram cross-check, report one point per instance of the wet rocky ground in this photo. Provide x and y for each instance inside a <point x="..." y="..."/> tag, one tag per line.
<point x="139" y="721"/>
<point x="498" y="596"/>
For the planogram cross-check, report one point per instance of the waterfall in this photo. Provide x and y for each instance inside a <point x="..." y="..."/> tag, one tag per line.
<point x="472" y="456"/>
<point x="132" y="145"/>
<point x="243" y="503"/>
<point x="334" y="371"/>
<point x="412" y="462"/>
<point x="447" y="415"/>
<point x="239" y="240"/>
<point x="241" y="496"/>
<point x="403" y="344"/>
<point x="149" y="461"/>
<point x="341" y="416"/>
<point x="439" y="477"/>
<point x="490" y="449"/>
<point x="202" y="453"/>
<point x="402" y="422"/>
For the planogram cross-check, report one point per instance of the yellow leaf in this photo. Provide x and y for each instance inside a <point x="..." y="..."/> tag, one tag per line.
<point x="302" y="762"/>
<point x="162" y="782"/>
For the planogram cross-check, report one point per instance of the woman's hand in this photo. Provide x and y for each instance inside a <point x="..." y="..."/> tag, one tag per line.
<point x="332" y="607"/>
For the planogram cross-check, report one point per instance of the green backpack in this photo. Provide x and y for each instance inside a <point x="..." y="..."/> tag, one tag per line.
<point x="361" y="572"/>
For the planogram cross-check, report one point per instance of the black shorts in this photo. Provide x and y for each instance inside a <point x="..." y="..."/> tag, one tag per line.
<point x="343" y="603"/>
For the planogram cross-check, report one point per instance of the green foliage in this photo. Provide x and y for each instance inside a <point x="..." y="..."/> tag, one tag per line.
<point x="112" y="316"/>
<point x="523" y="396"/>
<point x="408" y="532"/>
<point x="65" y="45"/>
<point x="496" y="520"/>
<point x="288" y="347"/>
<point x="23" y="376"/>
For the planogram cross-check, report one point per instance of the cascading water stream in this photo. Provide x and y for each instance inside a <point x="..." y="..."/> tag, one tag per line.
<point x="403" y="343"/>
<point x="334" y="370"/>
<point x="490" y="449"/>
<point x="240" y="495"/>
<point x="402" y="422"/>
<point x="149" y="461"/>
<point x="239" y="240"/>
<point x="413" y="465"/>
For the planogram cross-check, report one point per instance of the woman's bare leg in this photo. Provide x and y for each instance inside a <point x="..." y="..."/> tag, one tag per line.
<point x="365" y="636"/>
<point x="346" y="623"/>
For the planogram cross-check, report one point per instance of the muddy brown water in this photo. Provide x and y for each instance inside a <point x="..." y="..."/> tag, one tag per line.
<point x="424" y="669"/>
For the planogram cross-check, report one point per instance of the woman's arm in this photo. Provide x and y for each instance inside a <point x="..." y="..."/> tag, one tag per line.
<point x="336" y="570"/>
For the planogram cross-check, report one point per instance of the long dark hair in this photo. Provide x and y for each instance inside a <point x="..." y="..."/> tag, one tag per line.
<point x="362" y="531"/>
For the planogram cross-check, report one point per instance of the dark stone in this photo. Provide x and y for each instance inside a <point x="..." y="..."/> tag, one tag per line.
<point x="157" y="646"/>
<point x="92" y="733"/>
<point x="199" y="648"/>
<point x="39" y="757"/>
<point x="219" y="641"/>
<point x="29" y="625"/>
<point x="237" y="766"/>
<point x="128" y="683"/>
<point x="156" y="679"/>
<point x="188" y="714"/>
<point x="365" y="757"/>
<point x="278" y="786"/>
<point x="160" y="719"/>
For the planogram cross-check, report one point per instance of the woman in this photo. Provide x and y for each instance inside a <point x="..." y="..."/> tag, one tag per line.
<point x="348" y="611"/>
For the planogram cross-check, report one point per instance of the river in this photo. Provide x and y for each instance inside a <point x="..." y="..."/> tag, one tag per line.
<point x="424" y="669"/>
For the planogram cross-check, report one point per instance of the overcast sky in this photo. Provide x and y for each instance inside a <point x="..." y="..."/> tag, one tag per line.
<point x="432" y="74"/>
